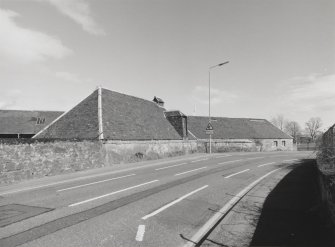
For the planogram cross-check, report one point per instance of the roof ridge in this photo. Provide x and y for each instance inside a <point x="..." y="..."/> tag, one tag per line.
<point x="129" y="95"/>
<point x="229" y="117"/>
<point x="29" y="110"/>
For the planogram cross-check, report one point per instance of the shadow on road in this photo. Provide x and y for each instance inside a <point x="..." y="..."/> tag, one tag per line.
<point x="292" y="214"/>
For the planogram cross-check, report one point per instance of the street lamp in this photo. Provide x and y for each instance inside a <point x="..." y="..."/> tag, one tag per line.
<point x="209" y="99"/>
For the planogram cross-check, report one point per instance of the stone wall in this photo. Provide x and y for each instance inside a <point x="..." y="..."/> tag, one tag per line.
<point x="326" y="166"/>
<point x="26" y="161"/>
<point x="20" y="161"/>
<point x="229" y="145"/>
<point x="132" y="151"/>
<point x="246" y="145"/>
<point x="38" y="159"/>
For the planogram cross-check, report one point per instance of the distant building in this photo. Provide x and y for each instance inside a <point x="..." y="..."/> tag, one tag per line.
<point x="262" y="132"/>
<point x="24" y="124"/>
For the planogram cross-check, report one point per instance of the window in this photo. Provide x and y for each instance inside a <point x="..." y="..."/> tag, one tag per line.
<point x="40" y="120"/>
<point x="275" y="143"/>
<point x="283" y="143"/>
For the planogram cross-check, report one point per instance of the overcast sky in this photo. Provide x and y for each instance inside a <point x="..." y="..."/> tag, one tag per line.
<point x="54" y="53"/>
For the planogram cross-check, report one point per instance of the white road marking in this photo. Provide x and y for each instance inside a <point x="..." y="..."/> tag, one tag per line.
<point x="254" y="158"/>
<point x="266" y="164"/>
<point x="170" y="166"/>
<point x="218" y="215"/>
<point x="102" y="181"/>
<point x="198" y="160"/>
<point x="237" y="173"/>
<point x="231" y="161"/>
<point x="172" y="203"/>
<point x="222" y="156"/>
<point x="140" y="233"/>
<point x="190" y="171"/>
<point x="290" y="160"/>
<point x="89" y="176"/>
<point x="227" y="162"/>
<point x="109" y="194"/>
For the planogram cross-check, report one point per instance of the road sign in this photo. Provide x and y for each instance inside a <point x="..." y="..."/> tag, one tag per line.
<point x="209" y="126"/>
<point x="209" y="132"/>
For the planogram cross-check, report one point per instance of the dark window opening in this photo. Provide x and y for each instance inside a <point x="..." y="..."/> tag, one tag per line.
<point x="275" y="143"/>
<point x="6" y="136"/>
<point x="40" y="120"/>
<point x="283" y="143"/>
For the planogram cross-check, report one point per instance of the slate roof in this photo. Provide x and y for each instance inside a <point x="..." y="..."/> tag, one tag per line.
<point x="174" y="113"/>
<point x="235" y="128"/>
<point x="25" y="122"/>
<point x="124" y="117"/>
<point x="81" y="122"/>
<point x="127" y="117"/>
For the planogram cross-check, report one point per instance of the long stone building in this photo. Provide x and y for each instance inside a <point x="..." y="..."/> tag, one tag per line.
<point x="111" y="116"/>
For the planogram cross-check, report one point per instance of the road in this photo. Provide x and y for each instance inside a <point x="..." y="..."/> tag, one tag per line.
<point x="159" y="203"/>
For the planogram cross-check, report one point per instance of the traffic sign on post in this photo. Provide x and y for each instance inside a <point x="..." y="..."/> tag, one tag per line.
<point x="209" y="129"/>
<point x="209" y="126"/>
<point x="209" y="132"/>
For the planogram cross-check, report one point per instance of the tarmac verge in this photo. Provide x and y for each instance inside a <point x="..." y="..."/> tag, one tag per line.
<point x="284" y="210"/>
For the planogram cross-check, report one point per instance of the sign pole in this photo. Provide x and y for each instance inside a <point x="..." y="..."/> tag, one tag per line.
<point x="209" y="108"/>
<point x="210" y="144"/>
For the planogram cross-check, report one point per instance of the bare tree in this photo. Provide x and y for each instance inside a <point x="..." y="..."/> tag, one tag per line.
<point x="313" y="126"/>
<point x="278" y="121"/>
<point x="293" y="129"/>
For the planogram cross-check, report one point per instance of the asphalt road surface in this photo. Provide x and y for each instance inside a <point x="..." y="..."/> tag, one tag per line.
<point x="174" y="202"/>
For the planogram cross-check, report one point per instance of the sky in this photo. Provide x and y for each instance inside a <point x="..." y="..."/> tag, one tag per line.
<point x="54" y="53"/>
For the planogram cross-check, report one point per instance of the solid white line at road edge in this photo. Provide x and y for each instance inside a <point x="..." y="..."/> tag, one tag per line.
<point x="190" y="171"/>
<point x="218" y="215"/>
<point x="140" y="233"/>
<point x="109" y="194"/>
<point x="236" y="173"/>
<point x="172" y="203"/>
<point x="98" y="182"/>
<point x="166" y="167"/>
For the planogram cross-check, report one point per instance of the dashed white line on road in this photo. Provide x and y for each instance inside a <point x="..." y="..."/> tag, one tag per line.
<point x="102" y="181"/>
<point x="227" y="162"/>
<point x="236" y="173"/>
<point x="140" y="233"/>
<point x="198" y="160"/>
<point x="222" y="156"/>
<point x="173" y="202"/>
<point x="190" y="171"/>
<point x="109" y="194"/>
<point x="254" y="158"/>
<point x="222" y="212"/>
<point x="170" y="166"/>
<point x="266" y="164"/>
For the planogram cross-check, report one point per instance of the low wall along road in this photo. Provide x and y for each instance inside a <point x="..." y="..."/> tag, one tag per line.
<point x="26" y="159"/>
